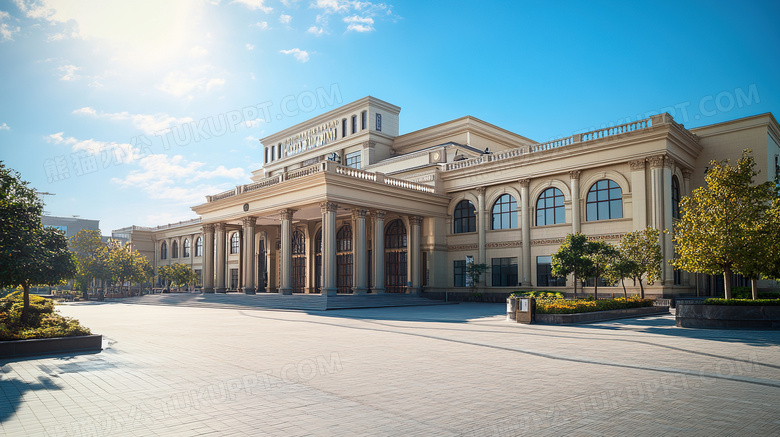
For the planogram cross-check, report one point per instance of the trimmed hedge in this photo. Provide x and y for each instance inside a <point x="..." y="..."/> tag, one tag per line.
<point x="747" y="293"/>
<point x="538" y="294"/>
<point x="742" y="302"/>
<point x="569" y="306"/>
<point x="42" y="322"/>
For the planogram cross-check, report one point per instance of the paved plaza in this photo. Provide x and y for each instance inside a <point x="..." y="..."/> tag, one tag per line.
<point x="449" y="370"/>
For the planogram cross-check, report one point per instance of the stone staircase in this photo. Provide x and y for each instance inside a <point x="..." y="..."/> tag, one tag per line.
<point x="304" y="302"/>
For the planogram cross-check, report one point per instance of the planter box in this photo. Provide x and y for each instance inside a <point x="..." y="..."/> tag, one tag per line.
<point x="51" y="345"/>
<point x="693" y="315"/>
<point x="598" y="316"/>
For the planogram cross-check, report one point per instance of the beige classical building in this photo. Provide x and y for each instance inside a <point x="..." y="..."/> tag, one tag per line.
<point x="343" y="203"/>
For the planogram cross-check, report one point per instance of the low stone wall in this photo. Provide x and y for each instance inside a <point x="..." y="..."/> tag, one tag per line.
<point x="598" y="316"/>
<point x="697" y="315"/>
<point x="51" y="345"/>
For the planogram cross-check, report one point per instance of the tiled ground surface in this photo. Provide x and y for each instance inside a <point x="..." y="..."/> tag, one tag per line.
<point x="415" y="371"/>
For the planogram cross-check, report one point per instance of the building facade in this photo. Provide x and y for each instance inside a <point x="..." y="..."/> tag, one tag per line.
<point x="343" y="203"/>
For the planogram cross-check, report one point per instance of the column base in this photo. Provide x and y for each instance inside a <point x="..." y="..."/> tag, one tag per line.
<point x="285" y="291"/>
<point x="330" y="291"/>
<point x="250" y="290"/>
<point x="378" y="290"/>
<point x="360" y="291"/>
<point x="221" y="290"/>
<point x="208" y="290"/>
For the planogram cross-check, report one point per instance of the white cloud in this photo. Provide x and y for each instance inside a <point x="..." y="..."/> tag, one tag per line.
<point x="300" y="55"/>
<point x="107" y="152"/>
<point x="249" y="46"/>
<point x="255" y="5"/>
<point x="69" y="72"/>
<point x="198" y="52"/>
<point x="285" y="19"/>
<point x="316" y="31"/>
<point x="359" y="28"/>
<point x="59" y="139"/>
<point x="4" y="127"/>
<point x="263" y="25"/>
<point x="184" y="83"/>
<point x="289" y="3"/>
<point x="359" y="24"/>
<point x="6" y="30"/>
<point x="148" y="123"/>
<point x="175" y="178"/>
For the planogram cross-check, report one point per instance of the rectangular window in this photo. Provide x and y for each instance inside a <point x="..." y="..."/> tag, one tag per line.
<point x="354" y="124"/>
<point x="200" y="277"/>
<point x="379" y="122"/>
<point x="279" y="151"/>
<point x="460" y="273"/>
<point x="504" y="271"/>
<point x="544" y="277"/>
<point x="233" y="279"/>
<point x="265" y="161"/>
<point x="353" y="159"/>
<point x="273" y="152"/>
<point x="363" y="120"/>
<point x="343" y="127"/>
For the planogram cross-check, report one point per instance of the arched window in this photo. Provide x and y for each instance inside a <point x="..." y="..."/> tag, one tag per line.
<point x="549" y="208"/>
<point x="235" y="244"/>
<point x="605" y="201"/>
<point x="298" y="261"/>
<point x="505" y="212"/>
<point x="395" y="257"/>
<point x="174" y="250"/>
<point x="298" y="243"/>
<point x="186" y="248"/>
<point x="199" y="247"/>
<point x="164" y="250"/>
<point x="395" y="236"/>
<point x="675" y="198"/>
<point x="464" y="218"/>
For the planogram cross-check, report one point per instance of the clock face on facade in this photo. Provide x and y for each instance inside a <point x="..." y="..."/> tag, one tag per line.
<point x="246" y="207"/>
<point x="436" y="156"/>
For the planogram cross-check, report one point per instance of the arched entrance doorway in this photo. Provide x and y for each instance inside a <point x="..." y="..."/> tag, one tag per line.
<point x="395" y="257"/>
<point x="344" y="260"/>
<point x="298" y="262"/>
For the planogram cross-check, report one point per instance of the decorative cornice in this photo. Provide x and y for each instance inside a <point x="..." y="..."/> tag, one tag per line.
<point x="548" y="241"/>
<point x="286" y="214"/>
<point x="575" y="174"/>
<point x="249" y="221"/>
<point x="463" y="247"/>
<point x="637" y="164"/>
<point x="502" y="244"/>
<point x="328" y="207"/>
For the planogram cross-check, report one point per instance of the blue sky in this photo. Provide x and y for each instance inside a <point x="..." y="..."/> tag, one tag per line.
<point x="131" y="112"/>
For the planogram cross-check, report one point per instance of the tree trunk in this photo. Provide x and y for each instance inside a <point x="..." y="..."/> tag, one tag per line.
<point x="625" y="293"/>
<point x="727" y="283"/>
<point x="596" y="288"/>
<point x="575" y="285"/>
<point x="26" y="302"/>
<point x="754" y="288"/>
<point x="641" y="289"/>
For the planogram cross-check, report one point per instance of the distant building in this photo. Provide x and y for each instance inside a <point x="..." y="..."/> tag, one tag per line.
<point x="72" y="225"/>
<point x="343" y="203"/>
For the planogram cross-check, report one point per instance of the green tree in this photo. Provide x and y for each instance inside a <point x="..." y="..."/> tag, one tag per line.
<point x="718" y="232"/>
<point x="91" y="257"/>
<point x="640" y="251"/>
<point x="571" y="258"/>
<point x="29" y="253"/>
<point x="177" y="275"/>
<point x="127" y="265"/>
<point x="620" y="269"/>
<point x="601" y="254"/>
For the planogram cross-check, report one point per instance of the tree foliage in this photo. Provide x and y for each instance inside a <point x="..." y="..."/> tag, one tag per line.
<point x="601" y="254"/>
<point x="177" y="274"/>
<point x="723" y="228"/>
<point x="640" y="257"/>
<point x="91" y="257"/>
<point x="127" y="265"/>
<point x="29" y="253"/>
<point x="571" y="258"/>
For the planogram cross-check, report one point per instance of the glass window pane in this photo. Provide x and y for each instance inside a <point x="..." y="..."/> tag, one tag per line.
<point x="603" y="211"/>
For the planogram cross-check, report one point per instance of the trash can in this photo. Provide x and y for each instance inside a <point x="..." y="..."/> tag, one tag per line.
<point x="526" y="310"/>
<point x="511" y="309"/>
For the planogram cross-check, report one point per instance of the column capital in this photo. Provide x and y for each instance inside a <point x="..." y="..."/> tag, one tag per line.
<point x="637" y="164"/>
<point x="207" y="228"/>
<point x="656" y="161"/>
<point x="668" y="161"/>
<point x="249" y="221"/>
<point x="415" y="220"/>
<point x="687" y="173"/>
<point x="379" y="214"/>
<point x="359" y="213"/>
<point x="328" y="207"/>
<point x="481" y="191"/>
<point x="575" y="174"/>
<point x="524" y="182"/>
<point x="286" y="214"/>
<point x="220" y="227"/>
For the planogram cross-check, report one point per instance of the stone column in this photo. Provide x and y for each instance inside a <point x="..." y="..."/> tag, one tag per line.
<point x="208" y="258"/>
<point x="481" y="224"/>
<point x="221" y="257"/>
<point x="686" y="188"/>
<point x="248" y="251"/>
<point x="379" y="252"/>
<point x="328" y="210"/>
<point x="668" y="248"/>
<point x="525" y="224"/>
<point x="576" y="220"/>
<point x="657" y="200"/>
<point x="360" y="254"/>
<point x="415" y="223"/>
<point x="285" y="283"/>
<point x="638" y="194"/>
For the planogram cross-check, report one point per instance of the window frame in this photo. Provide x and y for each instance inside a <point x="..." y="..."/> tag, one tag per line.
<point x="510" y="212"/>
<point x="593" y="200"/>
<point x="458" y="217"/>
